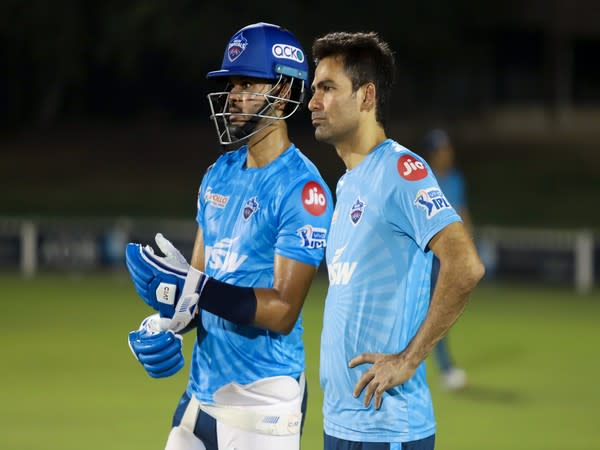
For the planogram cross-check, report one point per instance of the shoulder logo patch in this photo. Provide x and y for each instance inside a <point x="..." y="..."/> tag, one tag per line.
<point x="313" y="198"/>
<point x="312" y="237"/>
<point x="411" y="169"/>
<point x="432" y="200"/>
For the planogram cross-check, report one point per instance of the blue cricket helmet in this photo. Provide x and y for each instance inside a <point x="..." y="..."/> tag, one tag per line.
<point x="263" y="50"/>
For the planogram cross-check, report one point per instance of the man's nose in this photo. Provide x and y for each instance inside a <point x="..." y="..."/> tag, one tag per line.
<point x="313" y="103"/>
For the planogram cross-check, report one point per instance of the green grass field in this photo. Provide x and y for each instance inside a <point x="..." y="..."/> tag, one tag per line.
<point x="69" y="381"/>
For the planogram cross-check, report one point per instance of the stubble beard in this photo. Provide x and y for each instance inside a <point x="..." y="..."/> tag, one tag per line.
<point x="322" y="135"/>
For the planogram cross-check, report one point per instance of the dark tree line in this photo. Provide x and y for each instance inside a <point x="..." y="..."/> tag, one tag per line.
<point x="69" y="58"/>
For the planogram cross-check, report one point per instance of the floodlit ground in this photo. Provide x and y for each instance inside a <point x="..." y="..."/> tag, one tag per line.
<point x="69" y="381"/>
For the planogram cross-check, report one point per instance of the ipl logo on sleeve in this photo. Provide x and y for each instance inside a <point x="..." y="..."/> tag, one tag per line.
<point x="312" y="237"/>
<point x="432" y="200"/>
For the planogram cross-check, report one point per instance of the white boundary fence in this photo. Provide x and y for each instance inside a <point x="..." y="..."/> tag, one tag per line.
<point x="78" y="244"/>
<point x="581" y="243"/>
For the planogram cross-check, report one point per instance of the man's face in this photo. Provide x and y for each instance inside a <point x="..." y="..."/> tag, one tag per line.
<point x="246" y="98"/>
<point x="335" y="108"/>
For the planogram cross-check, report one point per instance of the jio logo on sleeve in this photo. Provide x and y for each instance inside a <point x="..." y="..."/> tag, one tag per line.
<point x="410" y="168"/>
<point x="313" y="198"/>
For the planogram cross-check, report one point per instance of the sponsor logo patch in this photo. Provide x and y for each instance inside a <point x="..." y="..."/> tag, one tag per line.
<point x="250" y="208"/>
<point x="411" y="168"/>
<point x="340" y="273"/>
<point x="286" y="51"/>
<point x="432" y="200"/>
<point x="236" y="46"/>
<point x="218" y="200"/>
<point x="313" y="198"/>
<point x="165" y="293"/>
<point x="293" y="424"/>
<point x="221" y="257"/>
<point x="357" y="210"/>
<point x="312" y="237"/>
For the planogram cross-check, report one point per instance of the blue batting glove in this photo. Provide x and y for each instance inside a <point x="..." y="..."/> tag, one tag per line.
<point x="157" y="279"/>
<point x="159" y="352"/>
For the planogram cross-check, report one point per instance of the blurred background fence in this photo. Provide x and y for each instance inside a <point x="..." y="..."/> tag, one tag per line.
<point x="549" y="256"/>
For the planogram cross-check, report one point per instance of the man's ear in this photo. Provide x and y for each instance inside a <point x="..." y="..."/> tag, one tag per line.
<point x="368" y="94"/>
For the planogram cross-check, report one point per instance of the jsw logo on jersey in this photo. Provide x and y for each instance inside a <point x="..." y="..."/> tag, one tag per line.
<point x="220" y="257"/>
<point x="340" y="273"/>
<point x="432" y="200"/>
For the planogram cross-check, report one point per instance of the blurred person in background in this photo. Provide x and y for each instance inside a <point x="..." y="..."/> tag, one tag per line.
<point x="440" y="154"/>
<point x="381" y="318"/>
<point x="263" y="215"/>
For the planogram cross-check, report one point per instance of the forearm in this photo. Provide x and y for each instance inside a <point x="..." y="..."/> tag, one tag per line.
<point x="275" y="312"/>
<point x="266" y="308"/>
<point x="450" y="297"/>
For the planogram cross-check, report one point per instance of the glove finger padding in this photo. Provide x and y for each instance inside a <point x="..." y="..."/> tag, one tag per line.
<point x="164" y="365"/>
<point x="163" y="355"/>
<point x="158" y="282"/>
<point x="159" y="353"/>
<point x="167" y="373"/>
<point x="143" y="342"/>
<point x="132" y="252"/>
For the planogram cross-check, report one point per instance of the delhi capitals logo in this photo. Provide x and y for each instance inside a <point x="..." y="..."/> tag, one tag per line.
<point x="236" y="47"/>
<point x="250" y="208"/>
<point x="357" y="210"/>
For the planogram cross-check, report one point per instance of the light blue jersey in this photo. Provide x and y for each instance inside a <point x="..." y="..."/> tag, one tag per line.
<point x="387" y="210"/>
<point x="248" y="215"/>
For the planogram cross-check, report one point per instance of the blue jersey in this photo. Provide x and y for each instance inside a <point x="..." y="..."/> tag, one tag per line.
<point x="453" y="186"/>
<point x="387" y="210"/>
<point x="247" y="216"/>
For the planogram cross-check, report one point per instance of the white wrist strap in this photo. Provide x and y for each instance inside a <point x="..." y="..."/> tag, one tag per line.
<point x="188" y="302"/>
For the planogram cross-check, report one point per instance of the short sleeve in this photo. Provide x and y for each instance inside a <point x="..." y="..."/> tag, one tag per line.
<point x="304" y="220"/>
<point x="416" y="205"/>
<point x="201" y="201"/>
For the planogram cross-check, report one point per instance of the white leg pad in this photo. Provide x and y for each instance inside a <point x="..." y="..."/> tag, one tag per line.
<point x="232" y="438"/>
<point x="270" y="406"/>
<point x="183" y="439"/>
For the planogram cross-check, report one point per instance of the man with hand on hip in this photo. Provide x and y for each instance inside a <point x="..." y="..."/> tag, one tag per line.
<point x="381" y="319"/>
